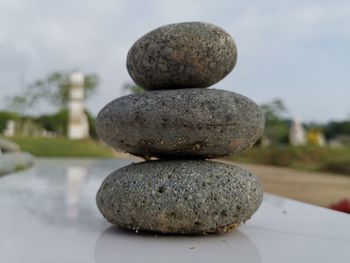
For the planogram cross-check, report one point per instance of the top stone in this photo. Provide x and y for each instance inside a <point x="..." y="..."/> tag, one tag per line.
<point x="184" y="55"/>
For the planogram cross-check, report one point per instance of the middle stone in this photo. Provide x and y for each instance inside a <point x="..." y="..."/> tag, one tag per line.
<point x="190" y="123"/>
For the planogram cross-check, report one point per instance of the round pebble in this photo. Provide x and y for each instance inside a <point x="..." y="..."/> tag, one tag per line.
<point x="182" y="123"/>
<point x="8" y="146"/>
<point x="183" y="55"/>
<point x="179" y="196"/>
<point x="15" y="161"/>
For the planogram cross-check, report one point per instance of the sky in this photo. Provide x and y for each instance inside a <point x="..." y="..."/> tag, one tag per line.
<point x="294" y="50"/>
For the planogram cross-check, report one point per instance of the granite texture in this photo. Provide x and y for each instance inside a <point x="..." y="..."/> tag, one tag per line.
<point x="179" y="196"/>
<point x="183" y="55"/>
<point x="182" y="123"/>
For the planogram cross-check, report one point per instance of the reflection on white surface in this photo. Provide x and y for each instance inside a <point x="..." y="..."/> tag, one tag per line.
<point x="75" y="180"/>
<point x="116" y="243"/>
<point x="48" y="214"/>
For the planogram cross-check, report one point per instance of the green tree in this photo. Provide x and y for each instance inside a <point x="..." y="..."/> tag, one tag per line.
<point x="276" y="125"/>
<point x="6" y="116"/>
<point x="337" y="128"/>
<point x="58" y="122"/>
<point x="133" y="88"/>
<point x="53" y="89"/>
<point x="274" y="110"/>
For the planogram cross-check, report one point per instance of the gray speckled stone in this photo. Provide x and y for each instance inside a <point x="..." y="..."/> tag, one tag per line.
<point x="183" y="55"/>
<point x="183" y="123"/>
<point x="189" y="196"/>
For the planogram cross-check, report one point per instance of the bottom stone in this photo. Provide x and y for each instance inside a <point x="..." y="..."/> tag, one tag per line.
<point x="179" y="196"/>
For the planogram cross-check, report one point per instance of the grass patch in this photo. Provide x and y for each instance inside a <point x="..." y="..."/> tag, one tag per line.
<point x="312" y="158"/>
<point x="63" y="147"/>
<point x="20" y="167"/>
<point x="338" y="165"/>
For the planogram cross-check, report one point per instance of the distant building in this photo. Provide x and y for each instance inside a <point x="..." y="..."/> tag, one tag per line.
<point x="316" y="138"/>
<point x="78" y="125"/>
<point x="10" y="129"/>
<point x="296" y="133"/>
<point x="321" y="140"/>
<point x="341" y="140"/>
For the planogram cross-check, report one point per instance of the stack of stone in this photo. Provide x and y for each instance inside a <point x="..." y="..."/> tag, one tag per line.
<point x="182" y="124"/>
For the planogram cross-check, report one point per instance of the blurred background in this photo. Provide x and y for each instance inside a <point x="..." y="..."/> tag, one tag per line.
<point x="62" y="61"/>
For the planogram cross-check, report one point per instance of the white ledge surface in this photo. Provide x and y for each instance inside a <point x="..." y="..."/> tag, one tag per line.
<point x="48" y="214"/>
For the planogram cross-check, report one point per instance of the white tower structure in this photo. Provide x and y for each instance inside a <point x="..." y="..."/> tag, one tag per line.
<point x="296" y="133"/>
<point x="78" y="126"/>
<point x="10" y="128"/>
